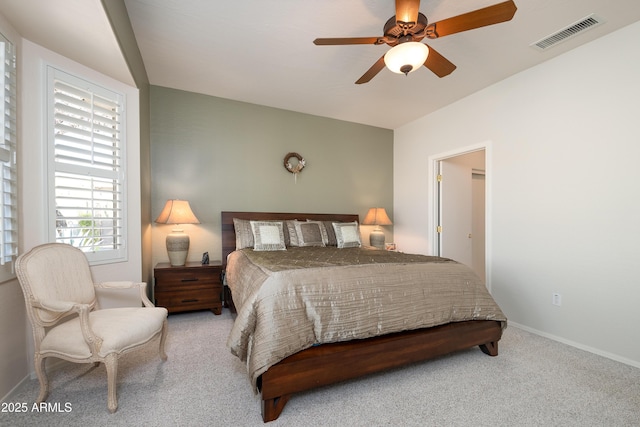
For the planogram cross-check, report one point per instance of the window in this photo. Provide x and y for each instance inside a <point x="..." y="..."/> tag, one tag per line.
<point x="86" y="167"/>
<point x="8" y="161"/>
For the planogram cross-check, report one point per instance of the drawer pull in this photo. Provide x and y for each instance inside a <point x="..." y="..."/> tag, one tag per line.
<point x="192" y="279"/>
<point x="190" y="300"/>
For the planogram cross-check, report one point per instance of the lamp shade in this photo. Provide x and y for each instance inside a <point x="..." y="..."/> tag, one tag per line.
<point x="406" y="57"/>
<point x="377" y="216"/>
<point x="177" y="212"/>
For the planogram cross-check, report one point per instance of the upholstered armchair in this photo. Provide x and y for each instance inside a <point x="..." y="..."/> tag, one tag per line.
<point x="61" y="303"/>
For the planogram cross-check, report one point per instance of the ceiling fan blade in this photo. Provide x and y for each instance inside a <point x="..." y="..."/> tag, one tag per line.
<point x="438" y="64"/>
<point x="407" y="11"/>
<point x="371" y="72"/>
<point x="495" y="14"/>
<point x="346" y="40"/>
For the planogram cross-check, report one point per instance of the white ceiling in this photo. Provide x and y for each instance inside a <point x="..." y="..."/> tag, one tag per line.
<point x="262" y="51"/>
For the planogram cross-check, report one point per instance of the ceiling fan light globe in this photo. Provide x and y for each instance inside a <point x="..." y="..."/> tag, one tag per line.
<point x="406" y="57"/>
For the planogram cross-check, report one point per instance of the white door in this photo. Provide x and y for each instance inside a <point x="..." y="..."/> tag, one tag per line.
<point x="455" y="213"/>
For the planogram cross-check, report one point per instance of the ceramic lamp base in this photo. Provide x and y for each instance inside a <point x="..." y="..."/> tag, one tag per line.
<point x="376" y="238"/>
<point x="177" y="247"/>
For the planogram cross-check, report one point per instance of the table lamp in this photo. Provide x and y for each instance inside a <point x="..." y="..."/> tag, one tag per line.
<point x="377" y="217"/>
<point x="177" y="212"/>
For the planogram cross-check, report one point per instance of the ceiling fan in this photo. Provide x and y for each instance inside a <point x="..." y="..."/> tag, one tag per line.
<point x="404" y="32"/>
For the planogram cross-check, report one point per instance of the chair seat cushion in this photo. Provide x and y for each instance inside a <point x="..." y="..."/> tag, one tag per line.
<point x="119" y="328"/>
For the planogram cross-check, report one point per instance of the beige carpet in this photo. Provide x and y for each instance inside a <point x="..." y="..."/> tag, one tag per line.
<point x="533" y="382"/>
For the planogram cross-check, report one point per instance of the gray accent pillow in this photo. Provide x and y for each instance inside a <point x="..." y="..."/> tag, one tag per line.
<point x="291" y="231"/>
<point x="323" y="230"/>
<point x="347" y="234"/>
<point x="331" y="233"/>
<point x="268" y="236"/>
<point x="244" y="234"/>
<point x="309" y="234"/>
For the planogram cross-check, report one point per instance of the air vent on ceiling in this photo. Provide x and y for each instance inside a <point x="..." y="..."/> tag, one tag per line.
<point x="568" y="32"/>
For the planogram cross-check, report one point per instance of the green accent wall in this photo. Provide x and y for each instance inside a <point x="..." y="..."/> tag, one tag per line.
<point x="228" y="155"/>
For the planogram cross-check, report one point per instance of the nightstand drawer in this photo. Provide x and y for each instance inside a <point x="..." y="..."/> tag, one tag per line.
<point x="194" y="299"/>
<point x="186" y="278"/>
<point x="168" y="285"/>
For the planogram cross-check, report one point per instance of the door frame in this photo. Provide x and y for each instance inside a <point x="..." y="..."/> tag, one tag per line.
<point x="433" y="198"/>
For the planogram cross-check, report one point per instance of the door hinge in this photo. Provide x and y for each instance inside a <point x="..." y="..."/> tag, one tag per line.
<point x="439" y="178"/>
<point x="439" y="229"/>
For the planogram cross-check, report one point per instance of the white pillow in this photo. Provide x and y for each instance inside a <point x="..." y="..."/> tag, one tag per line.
<point x="268" y="236"/>
<point x="347" y="234"/>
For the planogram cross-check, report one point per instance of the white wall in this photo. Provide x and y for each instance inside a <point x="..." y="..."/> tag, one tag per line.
<point x="565" y="202"/>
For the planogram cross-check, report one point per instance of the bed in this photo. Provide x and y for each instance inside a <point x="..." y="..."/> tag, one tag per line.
<point x="295" y="325"/>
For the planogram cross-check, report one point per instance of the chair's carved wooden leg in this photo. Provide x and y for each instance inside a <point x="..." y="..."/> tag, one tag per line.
<point x="42" y="377"/>
<point x="163" y="339"/>
<point x="271" y="408"/>
<point x="111" y="363"/>
<point x="490" y="348"/>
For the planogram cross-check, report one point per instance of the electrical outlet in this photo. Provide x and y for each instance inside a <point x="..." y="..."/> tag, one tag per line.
<point x="557" y="299"/>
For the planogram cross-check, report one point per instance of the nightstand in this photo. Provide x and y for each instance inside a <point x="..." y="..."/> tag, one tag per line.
<point x="190" y="287"/>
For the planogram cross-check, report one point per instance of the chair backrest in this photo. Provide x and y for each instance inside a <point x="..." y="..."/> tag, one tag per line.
<point x="55" y="272"/>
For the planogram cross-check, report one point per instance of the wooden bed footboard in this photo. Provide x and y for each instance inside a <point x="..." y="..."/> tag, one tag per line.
<point x="331" y="363"/>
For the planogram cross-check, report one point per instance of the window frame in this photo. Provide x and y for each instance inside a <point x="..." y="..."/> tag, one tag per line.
<point x="9" y="221"/>
<point x="117" y="175"/>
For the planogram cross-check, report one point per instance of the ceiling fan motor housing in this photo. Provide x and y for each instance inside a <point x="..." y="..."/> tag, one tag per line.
<point x="398" y="32"/>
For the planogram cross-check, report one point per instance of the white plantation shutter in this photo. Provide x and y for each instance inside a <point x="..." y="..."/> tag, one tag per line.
<point x="87" y="166"/>
<point x="8" y="161"/>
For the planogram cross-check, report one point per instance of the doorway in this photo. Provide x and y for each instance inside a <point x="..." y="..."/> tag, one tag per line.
<point x="459" y="196"/>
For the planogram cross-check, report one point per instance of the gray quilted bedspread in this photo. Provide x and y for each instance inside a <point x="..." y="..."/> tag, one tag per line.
<point x="290" y="300"/>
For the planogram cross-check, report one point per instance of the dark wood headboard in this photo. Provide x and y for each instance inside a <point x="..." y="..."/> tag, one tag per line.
<point x="229" y="233"/>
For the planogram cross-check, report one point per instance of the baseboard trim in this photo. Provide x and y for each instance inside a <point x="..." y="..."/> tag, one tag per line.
<point x="7" y="397"/>
<point x="593" y="350"/>
<point x="53" y="364"/>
